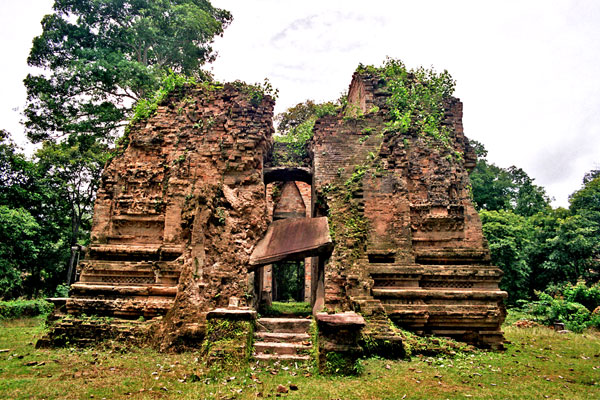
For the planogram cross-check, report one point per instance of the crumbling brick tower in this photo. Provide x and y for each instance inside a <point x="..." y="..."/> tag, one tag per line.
<point x="179" y="211"/>
<point x="181" y="217"/>
<point x="408" y="241"/>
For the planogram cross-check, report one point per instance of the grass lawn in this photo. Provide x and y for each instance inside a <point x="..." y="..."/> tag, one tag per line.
<point x="538" y="364"/>
<point x="294" y="308"/>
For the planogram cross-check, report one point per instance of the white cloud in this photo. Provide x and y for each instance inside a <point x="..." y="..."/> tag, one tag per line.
<point x="526" y="71"/>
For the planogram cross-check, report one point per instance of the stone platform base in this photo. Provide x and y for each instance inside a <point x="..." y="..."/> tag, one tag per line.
<point x="90" y="331"/>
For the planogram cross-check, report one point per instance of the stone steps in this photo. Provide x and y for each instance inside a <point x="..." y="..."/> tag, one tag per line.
<point x="279" y="348"/>
<point x="282" y="339"/>
<point x="283" y="325"/>
<point x="281" y="357"/>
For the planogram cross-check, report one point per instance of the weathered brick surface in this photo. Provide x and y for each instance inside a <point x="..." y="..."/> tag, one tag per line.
<point x="181" y="208"/>
<point x="422" y="231"/>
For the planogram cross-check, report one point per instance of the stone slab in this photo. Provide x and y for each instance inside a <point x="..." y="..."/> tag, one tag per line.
<point x="295" y="237"/>
<point x="232" y="313"/>
<point x="346" y="319"/>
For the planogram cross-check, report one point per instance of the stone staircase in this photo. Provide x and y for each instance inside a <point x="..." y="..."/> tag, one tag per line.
<point x="282" y="339"/>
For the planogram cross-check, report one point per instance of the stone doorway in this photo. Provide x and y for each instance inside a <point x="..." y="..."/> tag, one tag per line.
<point x="288" y="282"/>
<point x="285" y="263"/>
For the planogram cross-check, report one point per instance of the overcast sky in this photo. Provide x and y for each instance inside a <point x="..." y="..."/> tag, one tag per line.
<point x="527" y="71"/>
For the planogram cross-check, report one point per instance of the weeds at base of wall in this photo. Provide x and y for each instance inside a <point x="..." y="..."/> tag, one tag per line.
<point x="432" y="345"/>
<point x="228" y="344"/>
<point x="314" y="339"/>
<point x="384" y="348"/>
<point x="341" y="364"/>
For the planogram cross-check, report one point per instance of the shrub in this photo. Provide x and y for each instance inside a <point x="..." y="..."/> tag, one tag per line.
<point x="580" y="293"/>
<point x="24" y="308"/>
<point x="574" y="315"/>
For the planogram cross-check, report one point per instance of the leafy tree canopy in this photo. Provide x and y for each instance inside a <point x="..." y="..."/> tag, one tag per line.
<point x="34" y="225"/>
<point x="102" y="55"/>
<point x="590" y="175"/>
<point x="289" y="121"/>
<point x="496" y="188"/>
<point x="295" y="128"/>
<point x="587" y="200"/>
<point x="509" y="239"/>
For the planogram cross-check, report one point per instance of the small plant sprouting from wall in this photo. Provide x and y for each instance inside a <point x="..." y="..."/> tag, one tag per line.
<point x="257" y="92"/>
<point x="221" y="215"/>
<point x="145" y="108"/>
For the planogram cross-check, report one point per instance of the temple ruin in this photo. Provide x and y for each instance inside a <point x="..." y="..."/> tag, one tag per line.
<point x="195" y="211"/>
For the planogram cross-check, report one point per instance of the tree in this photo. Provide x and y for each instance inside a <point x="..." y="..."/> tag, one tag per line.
<point x="100" y="56"/>
<point x="572" y="251"/>
<point x="590" y="175"/>
<point x="33" y="226"/>
<point x="586" y="201"/>
<point x="73" y="168"/>
<point x="508" y="235"/>
<point x="527" y="198"/>
<point x="585" y="204"/>
<point x="15" y="171"/>
<point x="491" y="187"/>
<point x="295" y="129"/>
<point x="478" y="148"/>
<point x="291" y="121"/>
<point x="496" y="188"/>
<point x="18" y="250"/>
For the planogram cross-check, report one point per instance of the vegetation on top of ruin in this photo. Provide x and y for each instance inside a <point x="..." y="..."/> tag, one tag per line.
<point x="173" y="82"/>
<point x="146" y="107"/>
<point x="416" y="107"/>
<point x="295" y="129"/>
<point x="416" y="101"/>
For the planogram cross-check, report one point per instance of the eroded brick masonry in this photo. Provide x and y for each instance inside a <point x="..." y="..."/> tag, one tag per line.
<point x="182" y="208"/>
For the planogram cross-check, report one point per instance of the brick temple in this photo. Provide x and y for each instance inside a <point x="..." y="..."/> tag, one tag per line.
<point x="195" y="211"/>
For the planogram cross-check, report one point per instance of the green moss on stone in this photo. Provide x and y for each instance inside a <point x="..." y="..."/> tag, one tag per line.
<point x="228" y="344"/>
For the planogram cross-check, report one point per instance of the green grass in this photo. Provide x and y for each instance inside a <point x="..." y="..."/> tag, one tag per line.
<point x="537" y="364"/>
<point x="279" y="308"/>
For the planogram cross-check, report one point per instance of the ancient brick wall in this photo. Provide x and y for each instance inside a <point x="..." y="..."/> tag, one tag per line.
<point x="186" y="196"/>
<point x="184" y="204"/>
<point x="408" y="239"/>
